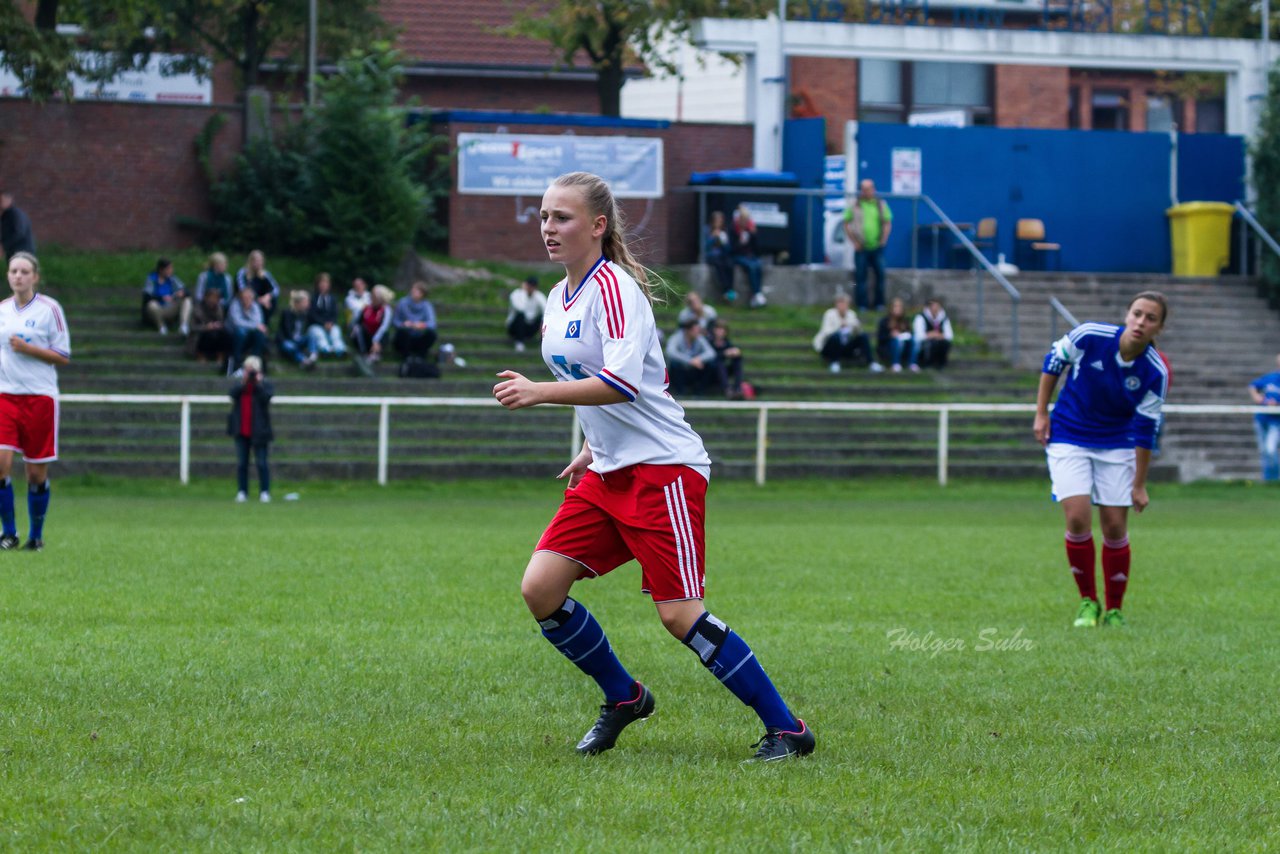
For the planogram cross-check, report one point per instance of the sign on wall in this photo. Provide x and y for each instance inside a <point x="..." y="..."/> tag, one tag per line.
<point x="908" y="172"/>
<point x="147" y="86"/>
<point x="500" y="164"/>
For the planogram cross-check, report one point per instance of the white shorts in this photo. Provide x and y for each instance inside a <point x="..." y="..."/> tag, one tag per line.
<point x="1104" y="474"/>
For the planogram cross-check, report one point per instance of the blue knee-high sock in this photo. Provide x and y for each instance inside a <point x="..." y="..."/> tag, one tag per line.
<point x="729" y="658"/>
<point x="37" y="506"/>
<point x="573" y="631"/>
<point x="7" y="517"/>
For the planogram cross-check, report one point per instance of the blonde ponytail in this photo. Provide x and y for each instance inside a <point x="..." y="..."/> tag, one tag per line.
<point x="613" y="245"/>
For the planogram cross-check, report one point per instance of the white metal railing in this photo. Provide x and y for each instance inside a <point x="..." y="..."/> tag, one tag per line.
<point x="761" y="408"/>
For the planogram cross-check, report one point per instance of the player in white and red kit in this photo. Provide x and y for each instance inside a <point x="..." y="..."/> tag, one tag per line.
<point x="637" y="489"/>
<point x="33" y="341"/>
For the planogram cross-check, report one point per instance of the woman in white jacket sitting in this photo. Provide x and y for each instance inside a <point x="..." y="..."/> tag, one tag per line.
<point x="841" y="337"/>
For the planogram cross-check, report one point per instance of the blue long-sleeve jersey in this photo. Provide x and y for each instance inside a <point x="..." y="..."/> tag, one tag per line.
<point x="1106" y="402"/>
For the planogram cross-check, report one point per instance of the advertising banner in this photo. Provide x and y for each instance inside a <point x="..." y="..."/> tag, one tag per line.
<point x="500" y="164"/>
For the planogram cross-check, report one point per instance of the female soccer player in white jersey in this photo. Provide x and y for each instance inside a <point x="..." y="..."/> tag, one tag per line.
<point x="33" y="340"/>
<point x="637" y="489"/>
<point x="1099" y="440"/>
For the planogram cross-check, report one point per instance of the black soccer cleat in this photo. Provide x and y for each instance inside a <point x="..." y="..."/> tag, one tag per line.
<point x="779" y="743"/>
<point x="8" y="542"/>
<point x="34" y="546"/>
<point x="614" y="719"/>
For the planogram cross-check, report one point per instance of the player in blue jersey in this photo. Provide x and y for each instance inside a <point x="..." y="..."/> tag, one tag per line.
<point x="1100" y="438"/>
<point x="637" y="489"/>
<point x="1265" y="391"/>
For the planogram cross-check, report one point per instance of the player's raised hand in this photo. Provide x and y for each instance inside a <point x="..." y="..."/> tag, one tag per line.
<point x="516" y="391"/>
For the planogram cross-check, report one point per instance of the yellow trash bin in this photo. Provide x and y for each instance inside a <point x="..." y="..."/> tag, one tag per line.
<point x="1201" y="236"/>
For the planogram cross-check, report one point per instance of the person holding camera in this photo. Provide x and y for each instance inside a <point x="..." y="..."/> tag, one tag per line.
<point x="249" y="424"/>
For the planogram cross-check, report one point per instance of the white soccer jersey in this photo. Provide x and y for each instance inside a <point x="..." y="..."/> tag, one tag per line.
<point x="40" y="322"/>
<point x="605" y="328"/>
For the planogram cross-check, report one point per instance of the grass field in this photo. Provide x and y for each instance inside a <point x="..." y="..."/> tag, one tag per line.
<point x="356" y="671"/>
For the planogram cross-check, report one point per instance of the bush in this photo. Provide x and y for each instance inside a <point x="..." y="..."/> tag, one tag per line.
<point x="269" y="200"/>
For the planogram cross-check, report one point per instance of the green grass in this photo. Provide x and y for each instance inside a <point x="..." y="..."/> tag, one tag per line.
<point x="356" y="671"/>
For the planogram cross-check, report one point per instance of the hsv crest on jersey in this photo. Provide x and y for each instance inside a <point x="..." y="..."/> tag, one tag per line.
<point x="574" y="329"/>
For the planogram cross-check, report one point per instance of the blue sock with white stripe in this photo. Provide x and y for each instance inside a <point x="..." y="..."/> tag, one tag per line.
<point x="731" y="661"/>
<point x="574" y="632"/>
<point x="37" y="506"/>
<point x="7" y="517"/>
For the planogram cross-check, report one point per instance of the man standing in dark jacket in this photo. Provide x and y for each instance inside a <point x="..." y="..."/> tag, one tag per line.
<point x="15" y="228"/>
<point x="249" y="423"/>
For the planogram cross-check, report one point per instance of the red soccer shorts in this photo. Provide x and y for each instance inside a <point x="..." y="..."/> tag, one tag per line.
<point x="653" y="514"/>
<point x="29" y="424"/>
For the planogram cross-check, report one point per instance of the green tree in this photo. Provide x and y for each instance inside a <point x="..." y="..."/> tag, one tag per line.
<point x="614" y="33"/>
<point x="1265" y="151"/>
<point x="249" y="32"/>
<point x="117" y="34"/>
<point x="365" y="163"/>
<point x="44" y="59"/>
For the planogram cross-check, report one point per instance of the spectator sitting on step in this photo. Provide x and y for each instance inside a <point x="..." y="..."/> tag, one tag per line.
<point x="719" y="255"/>
<point x="164" y="299"/>
<point x="728" y="361"/>
<point x="255" y="276"/>
<point x="370" y="328"/>
<point x="209" y="340"/>
<point x="357" y="299"/>
<point x="322" y="321"/>
<point x="745" y="254"/>
<point x="292" y="338"/>
<point x="526" y="305"/>
<point x="415" y="323"/>
<point x="247" y="327"/>
<point x="691" y="361"/>
<point x="840" y="337"/>
<point x="931" y="331"/>
<point x="214" y="277"/>
<point x="1265" y="391"/>
<point x="895" y="343"/>
<point x="697" y="310"/>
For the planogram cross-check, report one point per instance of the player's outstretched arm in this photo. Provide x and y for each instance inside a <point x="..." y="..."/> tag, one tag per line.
<point x="516" y="391"/>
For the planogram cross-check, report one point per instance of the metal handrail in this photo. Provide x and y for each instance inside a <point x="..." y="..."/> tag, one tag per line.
<point x="1014" y="295"/>
<point x="761" y="408"/>
<point x="1252" y="221"/>
<point x="1059" y="310"/>
<point x="809" y="194"/>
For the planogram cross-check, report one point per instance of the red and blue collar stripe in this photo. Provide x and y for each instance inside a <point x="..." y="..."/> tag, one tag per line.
<point x="570" y="299"/>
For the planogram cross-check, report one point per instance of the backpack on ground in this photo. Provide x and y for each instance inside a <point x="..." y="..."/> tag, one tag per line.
<point x="419" y="368"/>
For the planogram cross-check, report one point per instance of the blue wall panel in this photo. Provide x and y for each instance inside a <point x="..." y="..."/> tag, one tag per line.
<point x="1210" y="167"/>
<point x="1101" y="195"/>
<point x="804" y="147"/>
